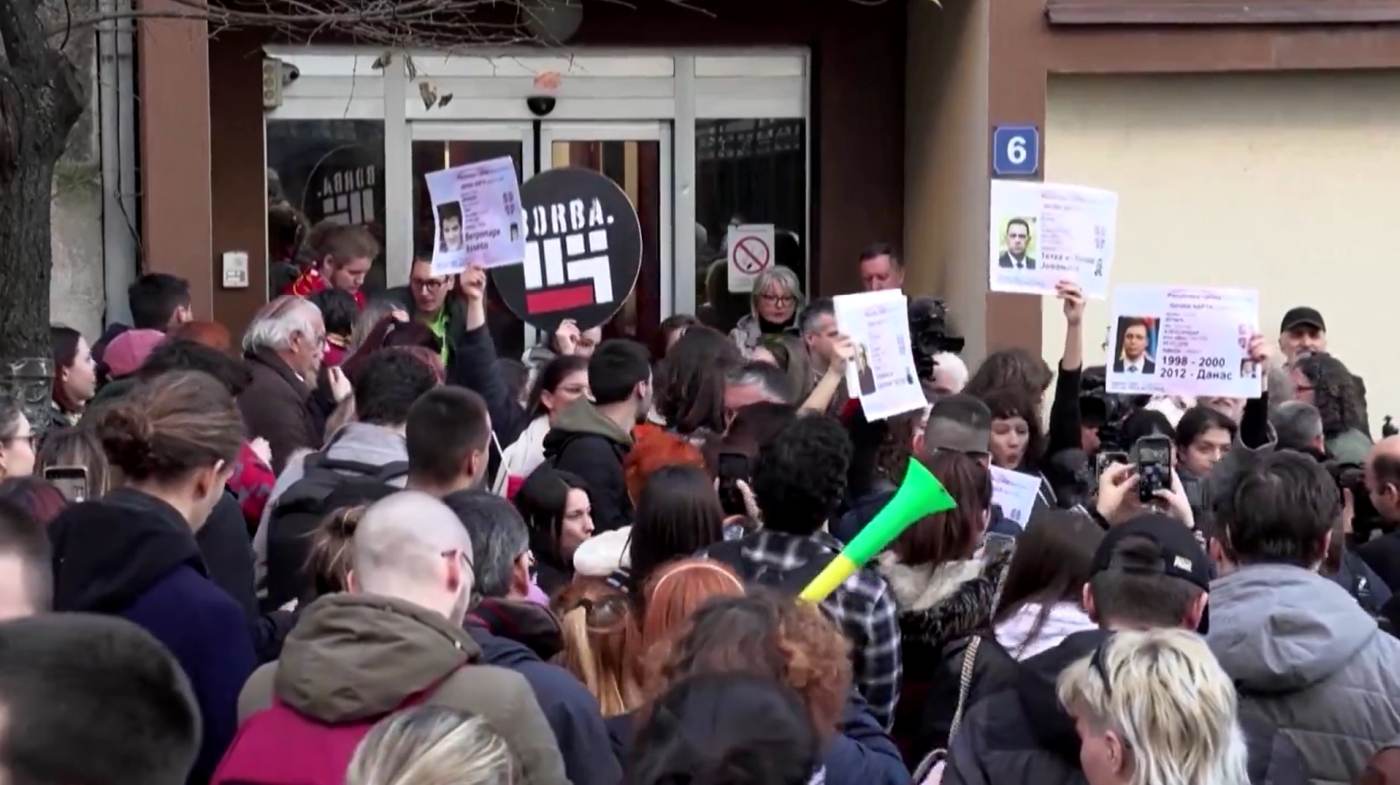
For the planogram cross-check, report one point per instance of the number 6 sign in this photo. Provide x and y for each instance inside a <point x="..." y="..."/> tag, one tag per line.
<point x="1015" y="150"/>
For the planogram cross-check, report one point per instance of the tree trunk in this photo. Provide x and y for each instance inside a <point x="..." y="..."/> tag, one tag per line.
<point x="40" y="101"/>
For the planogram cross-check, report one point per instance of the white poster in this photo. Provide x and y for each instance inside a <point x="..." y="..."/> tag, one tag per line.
<point x="1015" y="493"/>
<point x="882" y="373"/>
<point x="1044" y="233"/>
<point x="1183" y="340"/>
<point x="751" y="252"/>
<point x="476" y="216"/>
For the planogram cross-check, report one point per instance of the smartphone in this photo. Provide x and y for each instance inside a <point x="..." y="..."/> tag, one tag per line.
<point x="71" y="481"/>
<point x="1107" y="458"/>
<point x="733" y="466"/>
<point x="996" y="545"/>
<point x="1153" y="457"/>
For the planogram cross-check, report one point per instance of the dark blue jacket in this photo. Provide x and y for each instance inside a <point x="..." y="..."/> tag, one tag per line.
<point x="134" y="556"/>
<point x="518" y="635"/>
<point x="861" y="753"/>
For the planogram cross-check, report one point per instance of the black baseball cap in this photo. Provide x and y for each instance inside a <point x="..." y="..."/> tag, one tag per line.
<point x="1302" y="316"/>
<point x="1178" y="553"/>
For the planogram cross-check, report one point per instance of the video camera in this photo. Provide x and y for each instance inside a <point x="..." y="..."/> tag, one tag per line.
<point x="928" y="331"/>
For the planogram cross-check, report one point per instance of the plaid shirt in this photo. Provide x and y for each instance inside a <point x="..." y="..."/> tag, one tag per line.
<point x="862" y="607"/>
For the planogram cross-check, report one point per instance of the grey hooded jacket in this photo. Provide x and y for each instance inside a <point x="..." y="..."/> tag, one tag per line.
<point x="1306" y="656"/>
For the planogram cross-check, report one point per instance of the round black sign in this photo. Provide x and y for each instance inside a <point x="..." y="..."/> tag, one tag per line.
<point x="583" y="250"/>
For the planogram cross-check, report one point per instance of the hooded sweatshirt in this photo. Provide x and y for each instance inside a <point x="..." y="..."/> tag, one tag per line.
<point x="588" y="444"/>
<point x="354" y="657"/>
<point x="1305" y="655"/>
<point x="523" y="637"/>
<point x="132" y="555"/>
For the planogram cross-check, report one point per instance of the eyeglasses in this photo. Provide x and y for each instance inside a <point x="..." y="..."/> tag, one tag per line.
<point x="31" y="438"/>
<point x="458" y="553"/>
<point x="778" y="299"/>
<point x="429" y="284"/>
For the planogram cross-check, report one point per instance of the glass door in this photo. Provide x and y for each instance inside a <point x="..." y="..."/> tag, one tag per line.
<point x="636" y="156"/>
<point x="444" y="145"/>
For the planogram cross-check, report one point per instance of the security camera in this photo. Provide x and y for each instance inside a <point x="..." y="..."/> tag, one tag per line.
<point x="540" y="105"/>
<point x="290" y="73"/>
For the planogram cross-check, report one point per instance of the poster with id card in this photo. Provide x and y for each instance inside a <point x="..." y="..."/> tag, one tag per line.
<point x="1015" y="493"/>
<point x="476" y="216"/>
<point x="1044" y="233"/>
<point x="882" y="373"/>
<point x="1183" y="340"/>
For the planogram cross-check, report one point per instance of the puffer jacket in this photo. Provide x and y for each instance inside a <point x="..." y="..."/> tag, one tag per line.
<point x="356" y="656"/>
<point x="1021" y="735"/>
<point x="1306" y="656"/>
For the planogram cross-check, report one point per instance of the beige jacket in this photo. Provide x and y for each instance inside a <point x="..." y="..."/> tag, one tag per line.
<point x="356" y="656"/>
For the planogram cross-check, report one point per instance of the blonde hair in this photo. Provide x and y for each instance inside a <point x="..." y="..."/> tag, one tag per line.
<point x="432" y="745"/>
<point x="602" y="643"/>
<point x="1165" y="695"/>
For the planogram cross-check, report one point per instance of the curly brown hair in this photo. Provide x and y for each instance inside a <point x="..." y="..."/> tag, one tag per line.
<point x="766" y="635"/>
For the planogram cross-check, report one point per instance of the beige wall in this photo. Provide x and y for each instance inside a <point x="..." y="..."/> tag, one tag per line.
<point x="1282" y="182"/>
<point x="945" y="140"/>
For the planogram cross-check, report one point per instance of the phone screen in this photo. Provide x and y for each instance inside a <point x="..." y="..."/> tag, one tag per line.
<point x="71" y="481"/>
<point x="733" y="466"/>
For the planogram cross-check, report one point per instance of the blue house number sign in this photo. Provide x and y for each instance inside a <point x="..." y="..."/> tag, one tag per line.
<point x="1015" y="150"/>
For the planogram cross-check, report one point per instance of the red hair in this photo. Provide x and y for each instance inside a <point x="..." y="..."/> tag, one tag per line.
<point x="211" y="334"/>
<point x="677" y="589"/>
<point x="653" y="449"/>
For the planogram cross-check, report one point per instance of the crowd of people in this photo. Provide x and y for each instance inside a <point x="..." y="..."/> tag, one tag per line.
<point x="360" y="546"/>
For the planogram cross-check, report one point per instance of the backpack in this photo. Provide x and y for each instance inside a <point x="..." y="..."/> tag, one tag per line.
<point x="327" y="485"/>
<point x="281" y="746"/>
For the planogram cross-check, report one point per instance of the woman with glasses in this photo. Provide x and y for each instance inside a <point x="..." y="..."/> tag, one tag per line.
<point x="1155" y="708"/>
<point x="16" y="441"/>
<point x="774" y="305"/>
<point x="133" y="554"/>
<point x="563" y="381"/>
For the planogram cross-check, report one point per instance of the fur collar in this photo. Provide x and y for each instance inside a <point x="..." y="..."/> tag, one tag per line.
<point x="922" y="586"/>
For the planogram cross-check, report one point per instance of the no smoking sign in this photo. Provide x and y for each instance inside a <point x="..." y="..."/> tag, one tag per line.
<point x="750" y="253"/>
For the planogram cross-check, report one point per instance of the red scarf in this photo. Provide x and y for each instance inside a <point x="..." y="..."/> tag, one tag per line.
<point x="311" y="282"/>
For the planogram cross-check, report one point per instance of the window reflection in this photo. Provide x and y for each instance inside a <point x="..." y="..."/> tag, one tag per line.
<point x="747" y="171"/>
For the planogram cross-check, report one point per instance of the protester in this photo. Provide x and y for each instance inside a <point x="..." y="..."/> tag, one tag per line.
<point x="1191" y="732"/>
<point x="474" y="366"/>
<point x="590" y="438"/>
<point x="448" y="439"/>
<point x="561" y="382"/>
<point x="393" y="639"/>
<point x="284" y="345"/>
<point x="880" y="454"/>
<point x="127" y="353"/>
<point x="90" y="699"/>
<point x="338" y="311"/>
<point x="568" y="339"/>
<point x="755" y="382"/>
<point x="430" y="745"/>
<point x="341" y="257"/>
<point x="773" y="306"/>
<point x="690" y="388"/>
<point x="74" y="377"/>
<point x="38" y="498"/>
<point x="133" y="554"/>
<point x="676" y="591"/>
<point x="1042" y="602"/>
<point x="689" y="733"/>
<point x="26" y="574"/>
<point x="78" y="448"/>
<point x="881" y="268"/>
<point x="818" y="325"/>
<point x="16" y="441"/>
<point x="608" y="554"/>
<point x="1147" y="573"/>
<point x="1203" y="437"/>
<point x="949" y="374"/>
<point x="794" y="644"/>
<point x="430" y="300"/>
<point x="558" y="509"/>
<point x="211" y="334"/>
<point x="1298" y="426"/>
<point x="799" y="481"/>
<point x="945" y="587"/>
<point x="678" y="515"/>
<point x="1301" y="332"/>
<point x="364" y="461"/>
<point x="1299" y="649"/>
<point x="1324" y="382"/>
<point x="602" y="644"/>
<point x="672" y="329"/>
<point x="516" y="633"/>
<point x="1383" y="488"/>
